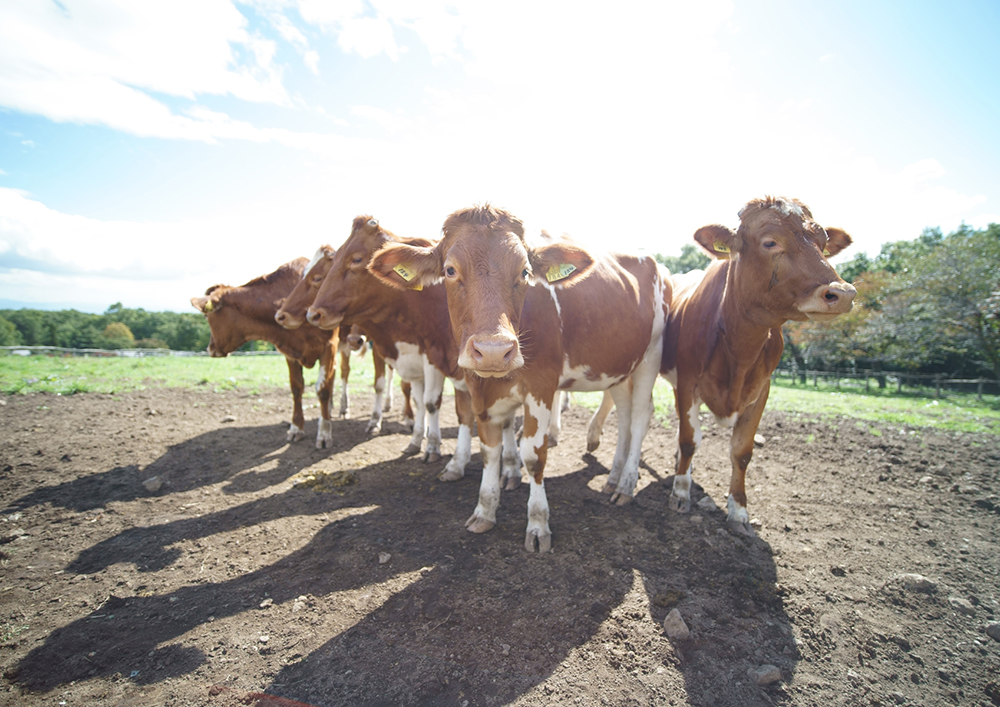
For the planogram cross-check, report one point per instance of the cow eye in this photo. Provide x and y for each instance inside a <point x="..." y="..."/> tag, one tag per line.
<point x="770" y="244"/>
<point x="449" y="271"/>
<point x="525" y="274"/>
<point x="357" y="259"/>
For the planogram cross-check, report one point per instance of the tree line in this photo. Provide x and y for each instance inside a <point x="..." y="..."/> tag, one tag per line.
<point x="927" y="305"/>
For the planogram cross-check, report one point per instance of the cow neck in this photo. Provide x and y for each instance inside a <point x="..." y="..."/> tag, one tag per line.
<point x="746" y="326"/>
<point x="426" y="313"/>
<point x="293" y="343"/>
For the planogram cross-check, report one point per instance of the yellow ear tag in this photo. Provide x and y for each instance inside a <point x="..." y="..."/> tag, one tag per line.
<point x="826" y="253"/>
<point x="209" y="306"/>
<point x="559" y="272"/>
<point x="720" y="247"/>
<point x="407" y="274"/>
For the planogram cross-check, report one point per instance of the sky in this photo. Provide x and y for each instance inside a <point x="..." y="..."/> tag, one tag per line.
<point x="150" y="150"/>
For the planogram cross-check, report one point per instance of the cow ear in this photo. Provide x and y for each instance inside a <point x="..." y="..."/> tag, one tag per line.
<point x="405" y="266"/>
<point x="718" y="241"/>
<point x="836" y="241"/>
<point x="562" y="264"/>
<point x="202" y="304"/>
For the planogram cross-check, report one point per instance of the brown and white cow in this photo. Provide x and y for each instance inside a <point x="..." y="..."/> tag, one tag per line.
<point x="411" y="329"/>
<point x="292" y="315"/>
<point x="723" y="338"/>
<point x="237" y="315"/>
<point x="532" y="320"/>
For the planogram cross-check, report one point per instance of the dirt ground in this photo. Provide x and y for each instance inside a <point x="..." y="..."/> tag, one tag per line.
<point x="366" y="589"/>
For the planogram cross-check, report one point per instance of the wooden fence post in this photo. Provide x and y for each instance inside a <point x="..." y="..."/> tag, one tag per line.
<point x="937" y="385"/>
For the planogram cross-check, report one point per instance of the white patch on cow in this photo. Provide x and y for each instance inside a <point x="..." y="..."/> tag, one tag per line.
<point x="460" y="384"/>
<point x="294" y="433"/>
<point x="789" y="208"/>
<point x="315" y="259"/>
<point x="320" y="378"/>
<point x="541" y="413"/>
<point x="584" y="379"/>
<point x="511" y="457"/>
<point x="455" y="468"/>
<point x="324" y="436"/>
<point x="671" y="377"/>
<point x="695" y="421"/>
<point x="489" y="487"/>
<point x="727" y="421"/>
<point x="409" y="365"/>
<point x="737" y="512"/>
<point x="538" y="519"/>
<point x="554" y="291"/>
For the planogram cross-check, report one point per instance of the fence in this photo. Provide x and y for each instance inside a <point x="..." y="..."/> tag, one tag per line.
<point x="917" y="381"/>
<point x="126" y="353"/>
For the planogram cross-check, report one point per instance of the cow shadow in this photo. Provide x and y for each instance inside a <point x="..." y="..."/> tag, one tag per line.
<point x="250" y="458"/>
<point x="469" y="617"/>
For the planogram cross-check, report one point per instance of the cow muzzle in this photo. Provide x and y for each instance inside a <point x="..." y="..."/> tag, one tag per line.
<point x="492" y="355"/>
<point x="829" y="301"/>
<point x="320" y="317"/>
<point x="287" y="321"/>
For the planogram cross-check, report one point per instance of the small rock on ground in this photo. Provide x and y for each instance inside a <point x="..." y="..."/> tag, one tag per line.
<point x="675" y="626"/>
<point x="765" y="674"/>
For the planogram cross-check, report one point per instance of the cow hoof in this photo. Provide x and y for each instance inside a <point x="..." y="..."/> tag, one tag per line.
<point x="324" y="443"/>
<point x="621" y="499"/>
<point x="512" y="482"/>
<point x="607" y="488"/>
<point x="593" y="445"/>
<point x="678" y="504"/>
<point x="450" y="474"/>
<point x="553" y="441"/>
<point x="411" y="449"/>
<point x="408" y="424"/>
<point x="544" y="542"/>
<point x="475" y="524"/>
<point x="374" y="427"/>
<point x="294" y="434"/>
<point x="740" y="528"/>
<point x="432" y="457"/>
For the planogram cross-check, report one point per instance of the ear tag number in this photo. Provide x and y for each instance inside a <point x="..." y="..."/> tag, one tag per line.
<point x="720" y="247"/>
<point x="559" y="272"/>
<point x="407" y="274"/>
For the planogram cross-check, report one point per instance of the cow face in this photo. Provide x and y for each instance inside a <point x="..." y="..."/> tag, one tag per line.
<point x="292" y="313"/>
<point x="349" y="292"/>
<point x="779" y="261"/>
<point x="227" y="335"/>
<point x="487" y="268"/>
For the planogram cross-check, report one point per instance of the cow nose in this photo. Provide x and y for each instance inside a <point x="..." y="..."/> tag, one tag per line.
<point x="493" y="354"/>
<point x="839" y="296"/>
<point x="314" y="316"/>
<point x="281" y="318"/>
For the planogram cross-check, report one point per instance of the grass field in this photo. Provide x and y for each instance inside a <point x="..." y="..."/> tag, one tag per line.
<point x="68" y="375"/>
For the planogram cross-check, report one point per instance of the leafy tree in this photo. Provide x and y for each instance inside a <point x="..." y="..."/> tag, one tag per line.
<point x="118" y="336"/>
<point x="691" y="258"/>
<point x="9" y="335"/>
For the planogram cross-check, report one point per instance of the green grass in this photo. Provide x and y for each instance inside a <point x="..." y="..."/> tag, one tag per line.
<point x="76" y="374"/>
<point x="960" y="412"/>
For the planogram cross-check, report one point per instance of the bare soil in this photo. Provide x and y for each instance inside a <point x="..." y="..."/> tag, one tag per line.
<point x="365" y="588"/>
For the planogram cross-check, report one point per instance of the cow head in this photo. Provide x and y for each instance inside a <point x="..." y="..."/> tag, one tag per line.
<point x="226" y="336"/>
<point x="487" y="268"/>
<point x="349" y="292"/>
<point x="779" y="261"/>
<point x="292" y="313"/>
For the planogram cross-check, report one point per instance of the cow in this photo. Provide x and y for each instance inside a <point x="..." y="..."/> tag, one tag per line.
<point x="292" y="315"/>
<point x="237" y="315"/>
<point x="531" y="320"/>
<point x="411" y="329"/>
<point x="723" y="338"/>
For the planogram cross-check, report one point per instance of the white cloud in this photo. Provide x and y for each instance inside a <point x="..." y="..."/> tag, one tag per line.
<point x="367" y="37"/>
<point x="391" y="123"/>
<point x="98" y="62"/>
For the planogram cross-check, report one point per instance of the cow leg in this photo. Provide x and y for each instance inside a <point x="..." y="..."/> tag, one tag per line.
<point x="740" y="453"/>
<point x="345" y="370"/>
<point x="511" y="458"/>
<point x="389" y="392"/>
<point x="555" y="420"/>
<point x="324" y="391"/>
<point x="408" y="417"/>
<point x="297" y="383"/>
<point x="641" y="383"/>
<point x="622" y="396"/>
<point x="485" y="516"/>
<point x="417" y="437"/>
<point x="433" y="391"/>
<point x="375" y="424"/>
<point x="688" y="439"/>
<point x="596" y="425"/>
<point x="455" y="469"/>
<point x="534" y="451"/>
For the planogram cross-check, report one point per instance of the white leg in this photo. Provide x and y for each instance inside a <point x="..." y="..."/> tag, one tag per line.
<point x="455" y="469"/>
<point x="419" y="412"/>
<point x="596" y="426"/>
<point x="433" y="389"/>
<point x="511" y="458"/>
<point x="294" y="433"/>
<point x="485" y="515"/>
<point x="345" y="408"/>
<point x="389" y="392"/>
<point x="643" y="380"/>
<point x="375" y="424"/>
<point x="555" y="419"/>
<point x="538" y="520"/>
<point x="324" y="437"/>
<point x="622" y="396"/>
<point x="680" y="496"/>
